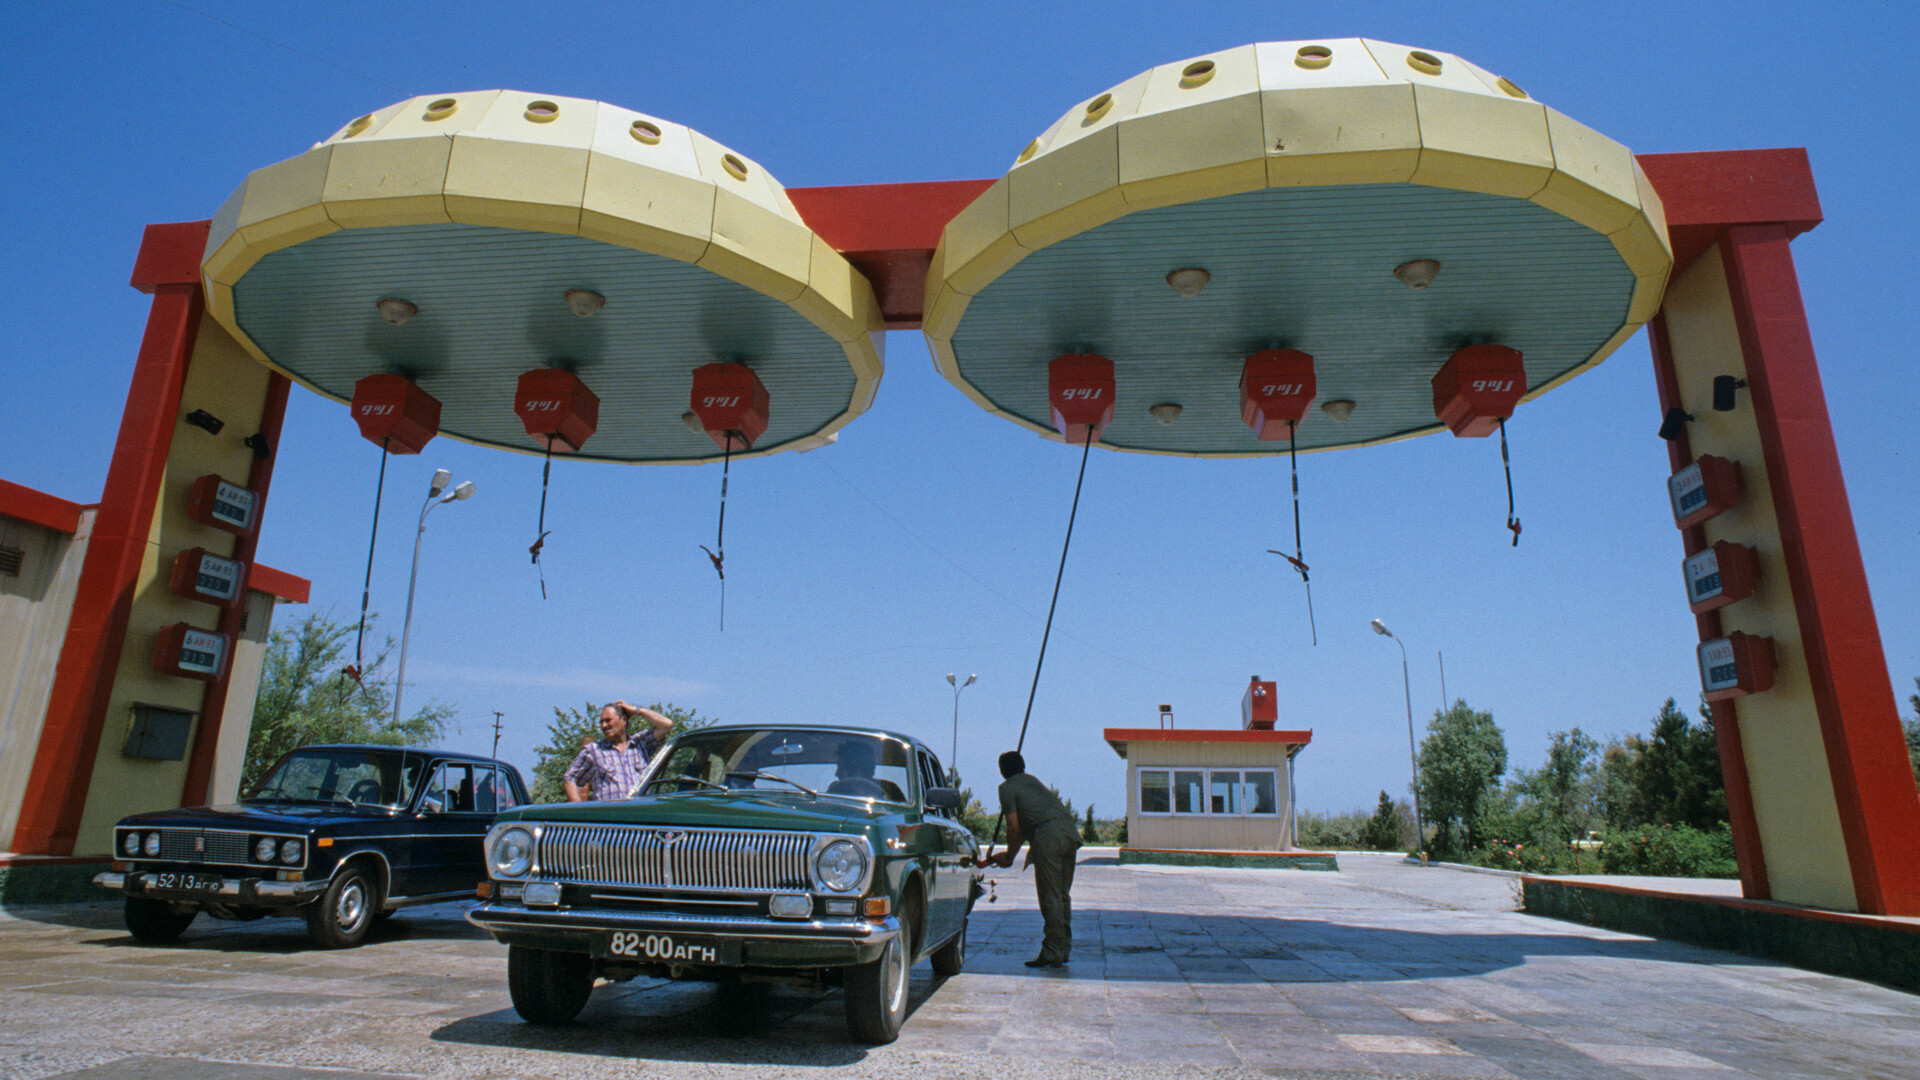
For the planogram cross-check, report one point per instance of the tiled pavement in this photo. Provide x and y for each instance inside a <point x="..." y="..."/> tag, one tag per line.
<point x="1383" y="969"/>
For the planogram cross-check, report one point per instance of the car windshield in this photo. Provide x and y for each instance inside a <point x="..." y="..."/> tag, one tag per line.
<point x="841" y="764"/>
<point x="360" y="777"/>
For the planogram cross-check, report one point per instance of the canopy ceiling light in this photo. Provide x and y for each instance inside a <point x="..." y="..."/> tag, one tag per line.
<point x="1550" y="238"/>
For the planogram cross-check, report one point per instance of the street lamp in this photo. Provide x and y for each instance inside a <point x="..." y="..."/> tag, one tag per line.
<point x="1413" y="757"/>
<point x="953" y="769"/>
<point x="441" y="478"/>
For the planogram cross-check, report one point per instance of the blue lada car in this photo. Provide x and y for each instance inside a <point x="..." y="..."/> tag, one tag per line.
<point x="811" y="856"/>
<point x="342" y="835"/>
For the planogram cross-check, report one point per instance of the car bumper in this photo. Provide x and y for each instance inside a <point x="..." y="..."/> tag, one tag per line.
<point x="249" y="892"/>
<point x="762" y="942"/>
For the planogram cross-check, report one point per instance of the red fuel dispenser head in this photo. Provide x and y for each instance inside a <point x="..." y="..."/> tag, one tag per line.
<point x="731" y="404"/>
<point x="1259" y="708"/>
<point x="557" y="408"/>
<point x="1080" y="390"/>
<point x="394" y="413"/>
<point x="1276" y="386"/>
<point x="1478" y="387"/>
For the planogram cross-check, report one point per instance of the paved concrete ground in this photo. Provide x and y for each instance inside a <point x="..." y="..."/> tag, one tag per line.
<point x="1383" y="969"/>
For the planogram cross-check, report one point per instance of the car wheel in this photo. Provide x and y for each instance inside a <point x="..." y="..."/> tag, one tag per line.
<point x="948" y="958"/>
<point x="877" y="992"/>
<point x="548" y="987"/>
<point x="155" y="920"/>
<point x="340" y="918"/>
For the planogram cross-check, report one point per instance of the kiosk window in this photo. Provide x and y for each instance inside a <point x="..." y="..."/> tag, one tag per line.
<point x="1222" y="792"/>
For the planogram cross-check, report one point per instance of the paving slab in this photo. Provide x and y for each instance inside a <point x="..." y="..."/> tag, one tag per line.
<point x="1381" y="969"/>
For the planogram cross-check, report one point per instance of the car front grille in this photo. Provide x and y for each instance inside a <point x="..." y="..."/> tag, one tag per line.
<point x="220" y="846"/>
<point x="645" y="857"/>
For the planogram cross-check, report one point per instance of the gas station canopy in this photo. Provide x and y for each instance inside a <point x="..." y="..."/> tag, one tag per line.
<point x="463" y="240"/>
<point x="1374" y="206"/>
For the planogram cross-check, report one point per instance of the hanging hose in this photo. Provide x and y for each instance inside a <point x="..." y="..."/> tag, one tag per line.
<point x="1298" y="559"/>
<point x="541" y="540"/>
<point x="1513" y="523"/>
<point x="356" y="669"/>
<point x="718" y="553"/>
<point x="1051" y="605"/>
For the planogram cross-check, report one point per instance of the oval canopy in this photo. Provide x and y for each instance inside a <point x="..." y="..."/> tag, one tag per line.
<point x="1299" y="176"/>
<point x="483" y="211"/>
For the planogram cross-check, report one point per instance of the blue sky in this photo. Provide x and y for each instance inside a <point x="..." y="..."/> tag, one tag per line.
<point x="926" y="540"/>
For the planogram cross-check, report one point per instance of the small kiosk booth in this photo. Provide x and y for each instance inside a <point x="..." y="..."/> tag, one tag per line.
<point x="1214" y="796"/>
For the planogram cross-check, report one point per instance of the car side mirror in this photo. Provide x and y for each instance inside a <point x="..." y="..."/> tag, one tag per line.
<point x="431" y="805"/>
<point x="945" y="798"/>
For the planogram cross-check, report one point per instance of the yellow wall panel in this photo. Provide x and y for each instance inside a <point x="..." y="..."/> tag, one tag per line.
<point x="646" y="209"/>
<point x="1367" y="134"/>
<point x="1478" y="142"/>
<point x="521" y="117"/>
<point x="516" y="185"/>
<point x="838" y="299"/>
<point x="757" y="247"/>
<point x="413" y="119"/>
<point x="1066" y="191"/>
<point x="1592" y="180"/>
<point x="367" y="125"/>
<point x="1348" y="64"/>
<point x="388" y="182"/>
<point x="1210" y="148"/>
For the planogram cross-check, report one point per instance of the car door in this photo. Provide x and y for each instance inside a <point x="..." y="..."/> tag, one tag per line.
<point x="450" y="827"/>
<point x="952" y="862"/>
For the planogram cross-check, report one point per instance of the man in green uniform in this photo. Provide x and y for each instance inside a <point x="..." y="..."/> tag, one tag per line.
<point x="1034" y="816"/>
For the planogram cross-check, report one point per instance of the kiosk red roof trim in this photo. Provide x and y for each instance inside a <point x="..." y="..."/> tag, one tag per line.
<point x="1118" y="738"/>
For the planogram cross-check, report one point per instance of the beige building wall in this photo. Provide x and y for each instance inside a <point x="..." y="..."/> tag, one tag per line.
<point x="34" y="608"/>
<point x="1208" y="831"/>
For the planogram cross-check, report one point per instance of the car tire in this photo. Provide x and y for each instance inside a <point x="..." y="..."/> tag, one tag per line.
<point x="948" y="958"/>
<point x="341" y="917"/>
<point x="156" y="920"/>
<point x="877" y="991"/>
<point x="548" y="987"/>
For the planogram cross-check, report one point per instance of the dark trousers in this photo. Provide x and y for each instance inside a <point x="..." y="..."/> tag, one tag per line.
<point x="1053" y="882"/>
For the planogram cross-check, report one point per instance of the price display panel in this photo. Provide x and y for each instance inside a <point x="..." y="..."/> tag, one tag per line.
<point x="1735" y="666"/>
<point x="1720" y="575"/>
<point x="198" y="574"/>
<point x="191" y="653"/>
<point x="1709" y="486"/>
<point x="222" y="505"/>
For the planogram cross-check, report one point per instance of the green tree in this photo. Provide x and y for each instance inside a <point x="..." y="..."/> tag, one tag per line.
<point x="1561" y="797"/>
<point x="1671" y="777"/>
<point x="306" y="698"/>
<point x="1089" y="832"/>
<point x="1912" y="725"/>
<point x="572" y="728"/>
<point x="972" y="814"/>
<point x="1461" y="762"/>
<point x="1383" y="829"/>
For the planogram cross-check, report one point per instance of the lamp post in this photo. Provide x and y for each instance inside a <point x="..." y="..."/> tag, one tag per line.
<point x="441" y="478"/>
<point x="953" y="755"/>
<point x="1413" y="757"/>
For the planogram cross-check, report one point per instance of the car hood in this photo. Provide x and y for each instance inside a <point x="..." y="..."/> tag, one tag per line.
<point x="262" y="814"/>
<point x="729" y="810"/>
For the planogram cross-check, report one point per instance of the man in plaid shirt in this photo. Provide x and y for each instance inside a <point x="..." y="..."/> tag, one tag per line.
<point x="612" y="766"/>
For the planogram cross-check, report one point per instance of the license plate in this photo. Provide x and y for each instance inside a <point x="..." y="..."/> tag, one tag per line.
<point x="644" y="947"/>
<point x="183" y="881"/>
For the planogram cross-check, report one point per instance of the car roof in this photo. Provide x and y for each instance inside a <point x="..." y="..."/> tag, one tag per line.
<point x="457" y="755"/>
<point x="837" y="728"/>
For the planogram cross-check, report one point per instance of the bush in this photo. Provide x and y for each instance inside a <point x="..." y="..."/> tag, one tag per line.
<point x="1671" y="851"/>
<point x="1330" y="832"/>
<point x="1529" y="858"/>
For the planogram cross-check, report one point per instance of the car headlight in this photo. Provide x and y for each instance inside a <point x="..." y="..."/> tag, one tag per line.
<point x="291" y="850"/>
<point x="265" y="848"/>
<point x="152" y="845"/>
<point x="130" y="844"/>
<point x="841" y="865"/>
<point x="510" y="852"/>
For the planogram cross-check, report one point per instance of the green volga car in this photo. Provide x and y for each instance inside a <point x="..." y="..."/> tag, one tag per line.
<point x="813" y="856"/>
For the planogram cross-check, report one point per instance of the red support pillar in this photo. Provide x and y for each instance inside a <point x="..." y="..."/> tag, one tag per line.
<point x="1873" y="786"/>
<point x="56" y="792"/>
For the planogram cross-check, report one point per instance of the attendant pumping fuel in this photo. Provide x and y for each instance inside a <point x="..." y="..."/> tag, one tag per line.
<point x="1035" y="816"/>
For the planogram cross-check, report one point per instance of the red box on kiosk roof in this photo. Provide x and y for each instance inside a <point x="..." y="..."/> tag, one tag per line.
<point x="557" y="408"/>
<point x="731" y="403"/>
<point x="1276" y="386"/>
<point x="394" y="413"/>
<point x="1478" y="387"/>
<point x="1080" y="391"/>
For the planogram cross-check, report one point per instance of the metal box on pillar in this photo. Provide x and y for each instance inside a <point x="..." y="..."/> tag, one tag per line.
<point x="1276" y="388"/>
<point x="1080" y="391"/>
<point x="731" y="403"/>
<point x="1260" y="707"/>
<point x="1478" y="387"/>
<point x="559" y="412"/>
<point x="395" y="414"/>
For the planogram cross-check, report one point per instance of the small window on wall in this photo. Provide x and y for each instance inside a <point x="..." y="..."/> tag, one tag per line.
<point x="1217" y="792"/>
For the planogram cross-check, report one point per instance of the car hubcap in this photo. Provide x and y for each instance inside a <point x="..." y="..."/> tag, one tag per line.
<point x="353" y="905"/>
<point x="896" y="973"/>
